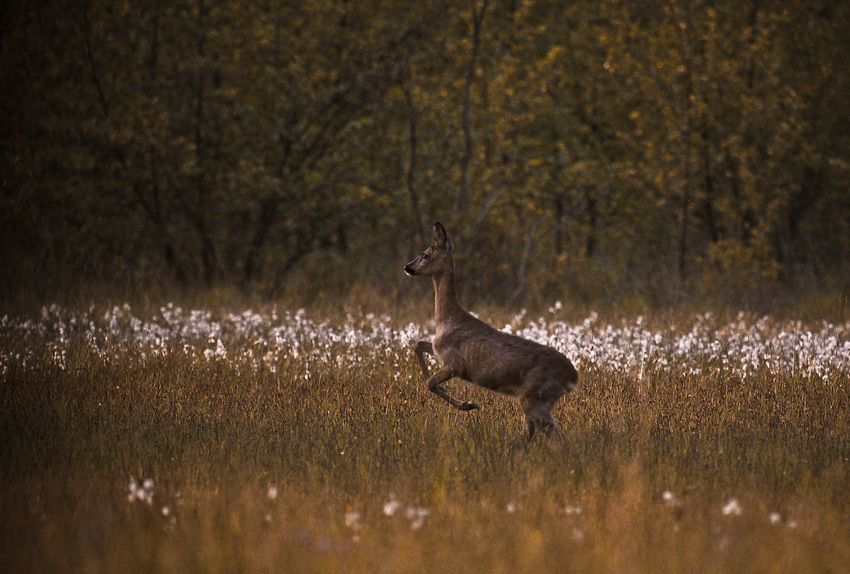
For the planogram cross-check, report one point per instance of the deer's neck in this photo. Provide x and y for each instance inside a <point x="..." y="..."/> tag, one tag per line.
<point x="446" y="304"/>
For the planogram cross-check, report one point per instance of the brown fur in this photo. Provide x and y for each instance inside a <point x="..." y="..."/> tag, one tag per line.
<point x="476" y="352"/>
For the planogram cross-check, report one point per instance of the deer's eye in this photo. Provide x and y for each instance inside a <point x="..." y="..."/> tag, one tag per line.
<point x="424" y="256"/>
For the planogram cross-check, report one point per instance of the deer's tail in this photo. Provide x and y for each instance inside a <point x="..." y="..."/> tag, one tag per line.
<point x="570" y="380"/>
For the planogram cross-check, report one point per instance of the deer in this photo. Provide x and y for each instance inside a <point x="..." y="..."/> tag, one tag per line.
<point x="470" y="349"/>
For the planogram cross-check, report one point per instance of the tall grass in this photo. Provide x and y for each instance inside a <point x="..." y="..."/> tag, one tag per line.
<point x="272" y="443"/>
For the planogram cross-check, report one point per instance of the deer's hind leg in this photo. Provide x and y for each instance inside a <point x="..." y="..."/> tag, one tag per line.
<point x="537" y="405"/>
<point x="536" y="420"/>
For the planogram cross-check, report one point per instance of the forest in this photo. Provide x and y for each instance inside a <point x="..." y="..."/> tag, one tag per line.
<point x="594" y="151"/>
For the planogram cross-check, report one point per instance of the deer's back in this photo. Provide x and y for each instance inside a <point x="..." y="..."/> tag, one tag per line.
<point x="500" y="361"/>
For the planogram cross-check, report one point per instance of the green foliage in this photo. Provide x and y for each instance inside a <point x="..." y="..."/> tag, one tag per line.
<point x="620" y="146"/>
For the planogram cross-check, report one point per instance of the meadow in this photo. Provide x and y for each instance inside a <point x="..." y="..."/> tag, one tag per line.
<point x="279" y="440"/>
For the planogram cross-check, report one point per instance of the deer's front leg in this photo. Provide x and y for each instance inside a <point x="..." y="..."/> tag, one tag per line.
<point x="434" y="384"/>
<point x="420" y="349"/>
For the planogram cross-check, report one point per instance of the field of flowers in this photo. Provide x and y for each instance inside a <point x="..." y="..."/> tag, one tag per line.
<point x="254" y="341"/>
<point x="271" y="441"/>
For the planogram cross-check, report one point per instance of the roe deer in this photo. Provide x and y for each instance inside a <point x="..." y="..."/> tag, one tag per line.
<point x="476" y="352"/>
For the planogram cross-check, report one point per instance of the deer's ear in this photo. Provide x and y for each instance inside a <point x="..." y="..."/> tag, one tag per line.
<point x="440" y="236"/>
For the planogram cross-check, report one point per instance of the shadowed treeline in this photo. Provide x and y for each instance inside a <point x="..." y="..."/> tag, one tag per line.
<point x="591" y="150"/>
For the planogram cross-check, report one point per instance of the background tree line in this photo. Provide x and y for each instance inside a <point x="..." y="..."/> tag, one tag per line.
<point x="589" y="149"/>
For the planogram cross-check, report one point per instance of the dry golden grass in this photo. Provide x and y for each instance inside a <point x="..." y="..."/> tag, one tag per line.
<point x="295" y="466"/>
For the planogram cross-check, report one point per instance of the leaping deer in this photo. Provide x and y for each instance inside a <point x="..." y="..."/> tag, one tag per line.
<point x="476" y="352"/>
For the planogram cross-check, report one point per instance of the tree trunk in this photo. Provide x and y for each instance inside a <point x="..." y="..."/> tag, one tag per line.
<point x="466" y="158"/>
<point x="416" y="214"/>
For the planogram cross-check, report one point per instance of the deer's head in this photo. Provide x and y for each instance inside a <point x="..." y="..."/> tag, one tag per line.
<point x="435" y="260"/>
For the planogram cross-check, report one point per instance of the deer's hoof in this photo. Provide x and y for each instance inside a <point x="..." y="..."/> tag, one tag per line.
<point x="468" y="406"/>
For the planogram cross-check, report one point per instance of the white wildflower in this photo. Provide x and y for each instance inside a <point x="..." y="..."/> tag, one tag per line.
<point x="143" y="492"/>
<point x="134" y="488"/>
<point x="391" y="506"/>
<point x="670" y="499"/>
<point x="352" y="520"/>
<point x="417" y="517"/>
<point x="732" y="508"/>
